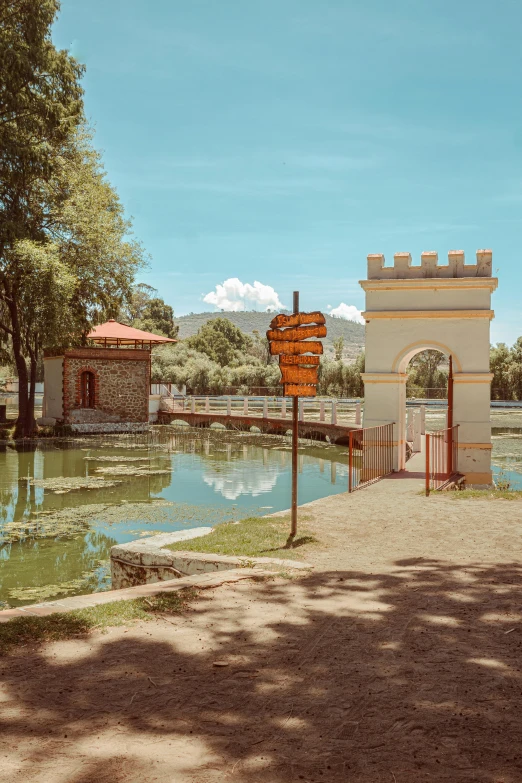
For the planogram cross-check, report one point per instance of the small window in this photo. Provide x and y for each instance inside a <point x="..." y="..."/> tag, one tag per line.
<point x="87" y="389"/>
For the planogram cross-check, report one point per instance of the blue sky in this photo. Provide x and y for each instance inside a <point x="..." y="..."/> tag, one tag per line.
<point x="284" y="141"/>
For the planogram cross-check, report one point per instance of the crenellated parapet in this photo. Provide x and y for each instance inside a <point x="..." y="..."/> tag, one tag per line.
<point x="402" y="268"/>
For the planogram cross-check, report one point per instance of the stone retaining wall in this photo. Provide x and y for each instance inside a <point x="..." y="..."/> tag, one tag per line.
<point x="146" y="561"/>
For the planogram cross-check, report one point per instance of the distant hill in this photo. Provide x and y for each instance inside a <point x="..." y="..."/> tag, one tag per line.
<point x="252" y="320"/>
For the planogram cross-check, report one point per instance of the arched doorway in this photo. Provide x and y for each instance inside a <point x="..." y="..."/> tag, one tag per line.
<point x="87" y="389"/>
<point x="443" y="308"/>
<point x="429" y="408"/>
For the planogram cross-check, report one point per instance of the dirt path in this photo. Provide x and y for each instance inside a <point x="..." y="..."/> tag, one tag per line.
<point x="397" y="661"/>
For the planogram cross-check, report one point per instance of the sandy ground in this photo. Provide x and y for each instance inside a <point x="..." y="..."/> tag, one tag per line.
<point x="396" y="661"/>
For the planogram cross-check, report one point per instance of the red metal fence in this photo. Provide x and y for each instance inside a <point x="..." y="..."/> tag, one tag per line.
<point x="370" y="455"/>
<point x="441" y="457"/>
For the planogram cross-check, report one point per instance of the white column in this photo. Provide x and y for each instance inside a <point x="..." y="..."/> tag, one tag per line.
<point x="265" y="408"/>
<point x="409" y="423"/>
<point x="283" y="408"/>
<point x="192" y="405"/>
<point x="321" y="410"/>
<point x="423" y="420"/>
<point x="334" y="412"/>
<point x="245" y="406"/>
<point x="229" y="406"/>
<point x="207" y="405"/>
<point x="301" y="410"/>
<point x="357" y="414"/>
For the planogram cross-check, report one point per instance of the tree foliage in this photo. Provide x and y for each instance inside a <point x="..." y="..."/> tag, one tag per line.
<point x="506" y="365"/>
<point x="144" y="310"/>
<point x="425" y="377"/>
<point x="65" y="251"/>
<point x="337" y="379"/>
<point x="221" y="341"/>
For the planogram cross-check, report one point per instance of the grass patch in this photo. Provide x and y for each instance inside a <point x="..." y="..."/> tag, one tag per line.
<point x="7" y="429"/>
<point x="487" y="494"/>
<point x="252" y="537"/>
<point x="60" y="626"/>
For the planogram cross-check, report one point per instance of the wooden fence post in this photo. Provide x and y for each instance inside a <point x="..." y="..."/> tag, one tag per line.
<point x="207" y="405"/>
<point x="245" y="406"/>
<point x="229" y="406"/>
<point x="265" y="408"/>
<point x="321" y="410"/>
<point x="334" y="412"/>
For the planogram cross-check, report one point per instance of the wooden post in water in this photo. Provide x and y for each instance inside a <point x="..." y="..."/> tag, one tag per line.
<point x="295" y="438"/>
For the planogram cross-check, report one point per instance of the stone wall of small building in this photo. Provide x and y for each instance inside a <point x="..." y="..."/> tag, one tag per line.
<point x="122" y="384"/>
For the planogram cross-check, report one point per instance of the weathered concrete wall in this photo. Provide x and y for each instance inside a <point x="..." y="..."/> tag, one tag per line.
<point x="53" y="387"/>
<point x="146" y="562"/>
<point x="108" y="427"/>
<point x="122" y="379"/>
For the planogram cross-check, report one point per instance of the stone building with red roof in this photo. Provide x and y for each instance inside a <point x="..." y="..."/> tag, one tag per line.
<point x="104" y="386"/>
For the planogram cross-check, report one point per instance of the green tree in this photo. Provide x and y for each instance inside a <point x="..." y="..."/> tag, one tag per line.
<point x="500" y="359"/>
<point x="338" y="345"/>
<point x="85" y="241"/>
<point x="40" y="105"/>
<point x="157" y="317"/>
<point x="145" y="310"/>
<point x="424" y="376"/>
<point x="515" y="371"/>
<point x="221" y="341"/>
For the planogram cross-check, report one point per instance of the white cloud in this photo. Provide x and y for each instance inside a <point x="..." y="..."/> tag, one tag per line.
<point x="235" y="296"/>
<point x="349" y="312"/>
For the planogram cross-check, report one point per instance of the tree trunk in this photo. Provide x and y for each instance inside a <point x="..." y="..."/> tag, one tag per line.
<point x="25" y="424"/>
<point x="32" y="386"/>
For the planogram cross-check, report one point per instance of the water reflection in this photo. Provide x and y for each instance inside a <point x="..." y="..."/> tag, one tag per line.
<point x="207" y="477"/>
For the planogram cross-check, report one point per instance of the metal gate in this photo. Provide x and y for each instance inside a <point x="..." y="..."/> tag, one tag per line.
<point x="370" y="455"/>
<point x="441" y="457"/>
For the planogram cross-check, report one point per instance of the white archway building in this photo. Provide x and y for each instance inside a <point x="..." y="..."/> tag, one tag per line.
<point x="444" y="307"/>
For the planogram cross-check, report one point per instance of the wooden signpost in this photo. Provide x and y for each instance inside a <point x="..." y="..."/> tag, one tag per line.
<point x="289" y="338"/>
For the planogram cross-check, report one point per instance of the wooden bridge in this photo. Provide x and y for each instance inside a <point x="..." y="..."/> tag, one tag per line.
<point x="315" y="430"/>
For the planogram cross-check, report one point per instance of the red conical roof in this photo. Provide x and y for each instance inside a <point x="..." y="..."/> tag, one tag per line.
<point x="114" y="333"/>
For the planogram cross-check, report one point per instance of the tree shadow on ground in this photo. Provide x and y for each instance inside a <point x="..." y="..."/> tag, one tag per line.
<point x="410" y="675"/>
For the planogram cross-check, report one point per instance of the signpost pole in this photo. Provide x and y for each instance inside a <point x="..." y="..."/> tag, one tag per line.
<point x="295" y="439"/>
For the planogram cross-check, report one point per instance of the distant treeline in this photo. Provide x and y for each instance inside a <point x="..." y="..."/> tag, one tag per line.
<point x="221" y="358"/>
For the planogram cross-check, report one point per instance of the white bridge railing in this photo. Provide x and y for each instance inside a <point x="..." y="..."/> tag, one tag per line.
<point x="321" y="410"/>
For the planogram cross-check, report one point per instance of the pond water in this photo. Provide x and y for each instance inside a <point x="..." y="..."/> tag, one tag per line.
<point x="65" y="503"/>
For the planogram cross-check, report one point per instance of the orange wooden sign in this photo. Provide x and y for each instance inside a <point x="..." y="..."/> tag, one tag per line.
<point x="295" y="390"/>
<point x="295" y="348"/>
<point x="299" y="333"/>
<point x="299" y="375"/>
<point x="301" y="361"/>
<point x="297" y="320"/>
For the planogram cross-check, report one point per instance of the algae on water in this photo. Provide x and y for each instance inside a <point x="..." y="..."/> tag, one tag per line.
<point x="101" y="573"/>
<point x="128" y="470"/>
<point x="63" y="484"/>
